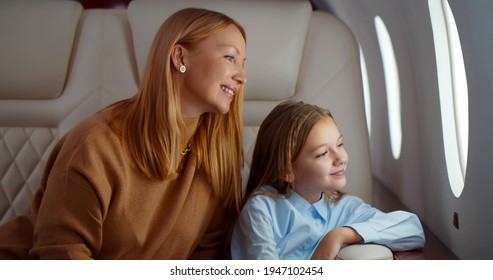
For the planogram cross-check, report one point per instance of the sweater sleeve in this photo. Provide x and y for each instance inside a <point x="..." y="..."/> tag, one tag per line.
<point x="71" y="206"/>
<point x="214" y="241"/>
<point x="398" y="230"/>
<point x="69" y="220"/>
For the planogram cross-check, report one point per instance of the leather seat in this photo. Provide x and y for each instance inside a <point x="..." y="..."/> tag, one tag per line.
<point x="60" y="63"/>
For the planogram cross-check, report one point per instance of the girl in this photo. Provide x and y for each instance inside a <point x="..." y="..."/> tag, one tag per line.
<point x="295" y="207"/>
<point x="156" y="176"/>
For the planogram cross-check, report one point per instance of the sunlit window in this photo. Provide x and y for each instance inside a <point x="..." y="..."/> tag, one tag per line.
<point x="366" y="90"/>
<point x="452" y="85"/>
<point x="392" y="86"/>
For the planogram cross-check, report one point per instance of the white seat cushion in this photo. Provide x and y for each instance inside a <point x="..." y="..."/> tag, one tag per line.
<point x="95" y="57"/>
<point x="36" y="46"/>
<point x="365" y="252"/>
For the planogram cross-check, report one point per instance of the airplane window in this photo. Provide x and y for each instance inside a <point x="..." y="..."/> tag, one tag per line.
<point x="392" y="86"/>
<point x="366" y="90"/>
<point x="453" y="93"/>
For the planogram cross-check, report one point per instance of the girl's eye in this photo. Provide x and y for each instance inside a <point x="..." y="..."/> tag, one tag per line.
<point x="322" y="154"/>
<point x="340" y="145"/>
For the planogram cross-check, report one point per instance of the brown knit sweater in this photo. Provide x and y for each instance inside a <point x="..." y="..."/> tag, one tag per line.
<point x="93" y="204"/>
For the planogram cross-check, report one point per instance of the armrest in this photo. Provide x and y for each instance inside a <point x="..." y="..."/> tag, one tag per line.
<point x="365" y="252"/>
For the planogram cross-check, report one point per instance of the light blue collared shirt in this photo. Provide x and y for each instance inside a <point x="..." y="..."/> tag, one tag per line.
<point x="278" y="227"/>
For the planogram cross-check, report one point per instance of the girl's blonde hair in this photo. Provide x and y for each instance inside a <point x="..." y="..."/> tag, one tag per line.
<point x="280" y="139"/>
<point x="154" y="122"/>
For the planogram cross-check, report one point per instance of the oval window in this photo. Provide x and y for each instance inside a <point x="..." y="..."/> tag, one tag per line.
<point x="392" y="86"/>
<point x="452" y="85"/>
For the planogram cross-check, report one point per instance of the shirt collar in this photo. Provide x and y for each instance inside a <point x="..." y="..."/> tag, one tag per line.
<point x="320" y="208"/>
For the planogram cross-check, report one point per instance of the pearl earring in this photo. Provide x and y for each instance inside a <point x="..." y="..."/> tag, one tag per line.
<point x="183" y="69"/>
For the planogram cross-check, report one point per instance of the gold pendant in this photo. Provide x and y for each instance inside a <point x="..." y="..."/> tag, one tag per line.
<point x="186" y="150"/>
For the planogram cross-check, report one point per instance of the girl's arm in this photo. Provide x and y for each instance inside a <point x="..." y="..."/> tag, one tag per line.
<point x="398" y="230"/>
<point x="253" y="236"/>
<point x="330" y="245"/>
<point x="362" y="223"/>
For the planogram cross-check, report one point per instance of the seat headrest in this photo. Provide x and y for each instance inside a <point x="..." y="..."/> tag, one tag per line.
<point x="36" y="43"/>
<point x="275" y="30"/>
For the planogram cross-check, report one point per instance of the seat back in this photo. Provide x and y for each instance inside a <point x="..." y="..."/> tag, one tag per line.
<point x="59" y="63"/>
<point x="293" y="52"/>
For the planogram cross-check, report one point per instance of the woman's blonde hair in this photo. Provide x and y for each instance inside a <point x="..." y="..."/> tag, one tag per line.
<point x="280" y="139"/>
<point x="154" y="121"/>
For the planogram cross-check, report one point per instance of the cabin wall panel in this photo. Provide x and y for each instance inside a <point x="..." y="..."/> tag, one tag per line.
<point x="419" y="177"/>
<point x="475" y="23"/>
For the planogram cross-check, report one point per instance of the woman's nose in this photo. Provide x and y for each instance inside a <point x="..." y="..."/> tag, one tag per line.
<point x="240" y="77"/>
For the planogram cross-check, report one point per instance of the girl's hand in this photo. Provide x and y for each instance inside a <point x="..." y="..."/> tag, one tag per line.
<point x="329" y="246"/>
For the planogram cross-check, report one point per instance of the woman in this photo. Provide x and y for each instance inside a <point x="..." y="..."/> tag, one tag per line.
<point x="156" y="176"/>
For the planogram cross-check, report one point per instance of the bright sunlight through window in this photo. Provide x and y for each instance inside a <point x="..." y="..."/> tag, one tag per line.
<point x="452" y="85"/>
<point x="366" y="90"/>
<point x="392" y="86"/>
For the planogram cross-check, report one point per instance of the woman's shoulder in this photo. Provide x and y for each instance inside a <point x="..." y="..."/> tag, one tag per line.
<point x="91" y="141"/>
<point x="93" y="131"/>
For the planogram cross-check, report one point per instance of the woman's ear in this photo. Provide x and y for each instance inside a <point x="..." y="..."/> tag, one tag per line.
<point x="178" y="53"/>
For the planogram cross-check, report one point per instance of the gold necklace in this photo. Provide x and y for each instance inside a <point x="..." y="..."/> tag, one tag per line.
<point x="185" y="150"/>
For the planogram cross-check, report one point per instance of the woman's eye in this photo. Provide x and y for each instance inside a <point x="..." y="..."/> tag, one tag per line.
<point x="229" y="57"/>
<point x="340" y="145"/>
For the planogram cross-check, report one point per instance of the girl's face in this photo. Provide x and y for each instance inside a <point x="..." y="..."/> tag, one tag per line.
<point x="321" y="164"/>
<point x="215" y="73"/>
